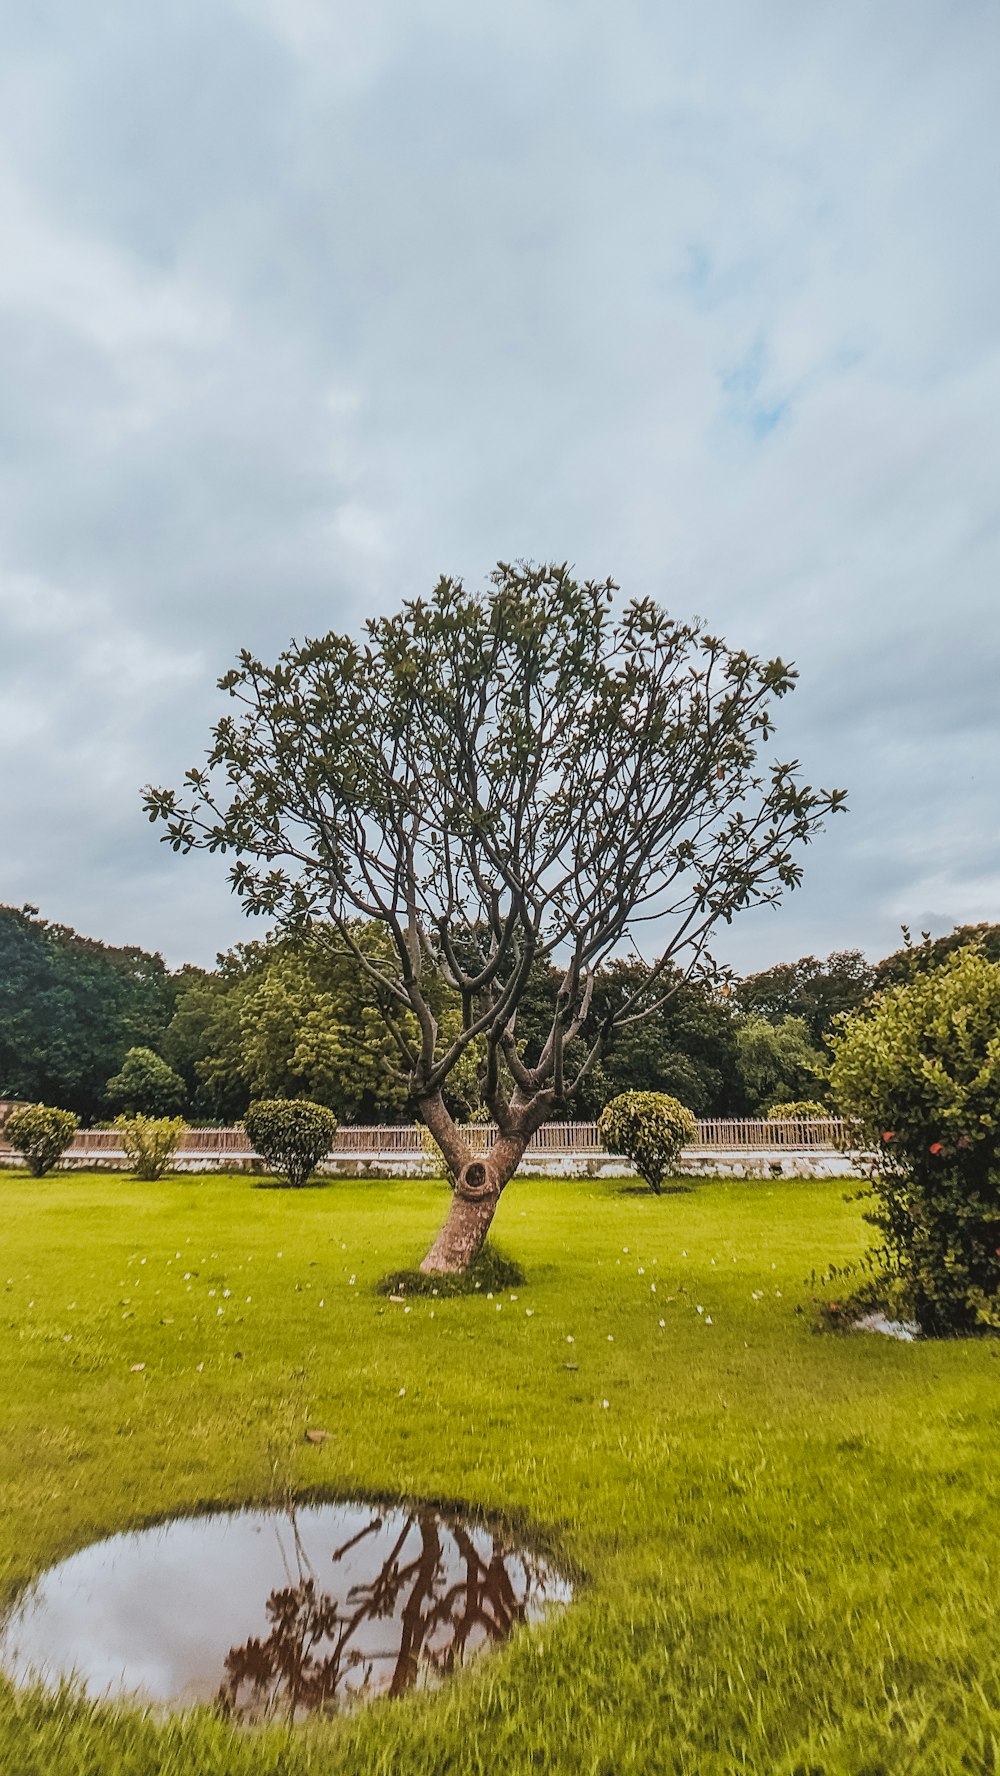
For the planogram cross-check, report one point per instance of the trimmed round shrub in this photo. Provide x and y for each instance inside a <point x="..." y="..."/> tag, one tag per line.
<point x="149" y="1141"/>
<point x="650" y="1129"/>
<point x="918" y="1075"/>
<point x="41" y="1134"/>
<point x="291" y="1135"/>
<point x="799" y="1110"/>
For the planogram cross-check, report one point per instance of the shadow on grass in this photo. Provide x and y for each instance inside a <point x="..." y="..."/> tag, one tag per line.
<point x="299" y="1189"/>
<point x="664" y="1190"/>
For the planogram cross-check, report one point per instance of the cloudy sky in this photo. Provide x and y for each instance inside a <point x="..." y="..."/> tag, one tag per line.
<point x="302" y="304"/>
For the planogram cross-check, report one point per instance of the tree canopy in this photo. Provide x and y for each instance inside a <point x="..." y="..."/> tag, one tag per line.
<point x="70" y="1008"/>
<point x="499" y="779"/>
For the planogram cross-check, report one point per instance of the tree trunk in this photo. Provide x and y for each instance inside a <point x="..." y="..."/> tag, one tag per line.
<point x="473" y="1206"/>
<point x="463" y="1235"/>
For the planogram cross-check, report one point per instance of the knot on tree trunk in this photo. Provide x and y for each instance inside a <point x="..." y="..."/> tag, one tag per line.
<point x="476" y="1182"/>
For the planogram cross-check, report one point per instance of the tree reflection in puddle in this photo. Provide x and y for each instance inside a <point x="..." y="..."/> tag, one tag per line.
<point x="271" y="1615"/>
<point x="436" y="1597"/>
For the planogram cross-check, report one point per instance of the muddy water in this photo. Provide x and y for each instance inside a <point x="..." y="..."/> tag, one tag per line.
<point x="273" y="1615"/>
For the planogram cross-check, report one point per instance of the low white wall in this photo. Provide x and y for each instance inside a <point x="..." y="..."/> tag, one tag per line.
<point x="778" y="1162"/>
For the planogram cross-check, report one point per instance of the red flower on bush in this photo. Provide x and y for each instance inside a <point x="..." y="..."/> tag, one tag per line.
<point x="937" y="1146"/>
<point x="889" y="1135"/>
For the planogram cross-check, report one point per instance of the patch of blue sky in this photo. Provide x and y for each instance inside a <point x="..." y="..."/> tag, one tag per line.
<point x="746" y="403"/>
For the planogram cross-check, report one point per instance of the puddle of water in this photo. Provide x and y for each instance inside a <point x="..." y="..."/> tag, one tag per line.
<point x="905" y="1330"/>
<point x="273" y="1615"/>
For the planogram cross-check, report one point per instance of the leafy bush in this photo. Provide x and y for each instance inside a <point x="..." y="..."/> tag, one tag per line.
<point x="650" y="1129"/>
<point x="291" y="1134"/>
<point x="146" y="1086"/>
<point x="799" y="1110"/>
<point x="918" y="1074"/>
<point x="149" y="1141"/>
<point x="42" y="1134"/>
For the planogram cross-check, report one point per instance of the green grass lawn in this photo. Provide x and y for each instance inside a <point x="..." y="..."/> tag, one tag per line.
<point x="789" y="1540"/>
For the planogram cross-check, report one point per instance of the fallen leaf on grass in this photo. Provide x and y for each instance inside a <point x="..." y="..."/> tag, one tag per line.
<point x="136" y="1367"/>
<point x="317" y="1436"/>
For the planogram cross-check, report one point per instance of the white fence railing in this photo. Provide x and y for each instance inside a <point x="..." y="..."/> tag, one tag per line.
<point x="718" y="1135"/>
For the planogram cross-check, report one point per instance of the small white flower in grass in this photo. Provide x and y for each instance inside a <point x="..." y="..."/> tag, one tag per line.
<point x="663" y="1322"/>
<point x="211" y="1291"/>
<point x="569" y="1338"/>
<point x="199" y="1367"/>
<point x="611" y="1339"/>
<point x="281" y="1254"/>
<point x="406" y="1310"/>
<point x="432" y="1313"/>
<point x="322" y="1303"/>
<point x="402" y="1392"/>
<point x="489" y="1294"/>
<point x="187" y="1275"/>
<point x="226" y="1293"/>
<point x="248" y="1302"/>
<point x="528" y="1312"/>
<point x="683" y="1254"/>
<point x="625" y="1249"/>
<point x="605" y="1403"/>
<point x="708" y="1319"/>
<point x="701" y="1310"/>
<point x="499" y="1306"/>
<point x="642" y="1270"/>
<point x="652" y="1288"/>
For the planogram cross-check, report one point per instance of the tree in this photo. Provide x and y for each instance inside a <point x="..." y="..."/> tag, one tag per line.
<point x="930" y="952"/>
<point x="650" y="1129"/>
<point x="292" y="1136"/>
<point x="918" y="1074"/>
<point x="501" y="780"/>
<point x="146" y="1085"/>
<point x="814" y="991"/>
<point x="41" y="1134"/>
<point x="70" y="1007"/>
<point x="777" y="1062"/>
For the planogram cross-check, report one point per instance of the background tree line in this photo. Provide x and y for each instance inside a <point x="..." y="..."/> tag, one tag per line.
<point x="97" y="1029"/>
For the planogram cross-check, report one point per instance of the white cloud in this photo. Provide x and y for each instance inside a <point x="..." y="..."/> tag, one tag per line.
<point x="305" y="307"/>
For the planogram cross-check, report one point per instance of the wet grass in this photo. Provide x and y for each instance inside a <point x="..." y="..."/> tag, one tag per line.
<point x="790" y="1538"/>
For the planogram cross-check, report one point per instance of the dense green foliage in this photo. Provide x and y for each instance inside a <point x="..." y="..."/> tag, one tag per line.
<point x="41" y="1133"/>
<point x="786" y="1542"/>
<point x="917" y="958"/>
<point x="798" y="1109"/>
<point x="650" y="1129"/>
<point x="919" y="1076"/>
<point x="814" y="991"/>
<point x="776" y="1062"/>
<point x="149" y="1142"/>
<point x="291" y="1135"/>
<point x="70" y="1008"/>
<point x="146" y="1085"/>
<point x="686" y="1047"/>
